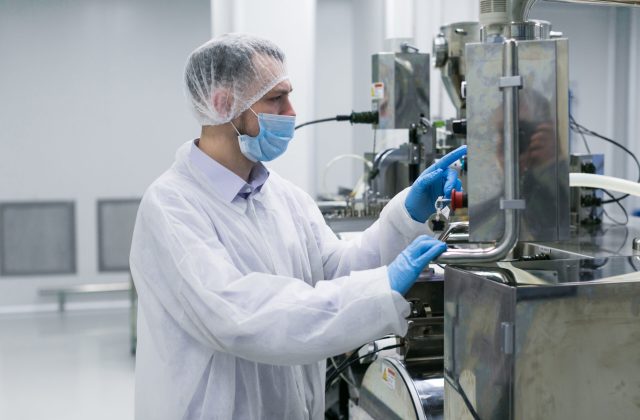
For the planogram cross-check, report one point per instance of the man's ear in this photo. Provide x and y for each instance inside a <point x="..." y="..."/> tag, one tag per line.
<point x="222" y="101"/>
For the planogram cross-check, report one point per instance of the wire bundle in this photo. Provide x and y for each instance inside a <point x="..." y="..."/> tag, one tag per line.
<point x="349" y="361"/>
<point x="582" y="130"/>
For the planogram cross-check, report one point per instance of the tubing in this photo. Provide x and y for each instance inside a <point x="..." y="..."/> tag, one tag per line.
<point x="605" y="182"/>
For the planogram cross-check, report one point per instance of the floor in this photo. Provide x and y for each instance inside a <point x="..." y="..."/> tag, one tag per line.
<point x="74" y="365"/>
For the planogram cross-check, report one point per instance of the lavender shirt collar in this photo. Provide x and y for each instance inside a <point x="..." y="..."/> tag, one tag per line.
<point x="225" y="182"/>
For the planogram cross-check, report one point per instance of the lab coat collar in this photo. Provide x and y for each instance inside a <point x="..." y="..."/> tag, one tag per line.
<point x="229" y="186"/>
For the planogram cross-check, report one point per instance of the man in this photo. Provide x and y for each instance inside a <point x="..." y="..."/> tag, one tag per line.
<point x="243" y="289"/>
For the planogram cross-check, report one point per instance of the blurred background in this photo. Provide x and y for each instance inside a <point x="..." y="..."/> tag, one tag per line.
<point x="92" y="111"/>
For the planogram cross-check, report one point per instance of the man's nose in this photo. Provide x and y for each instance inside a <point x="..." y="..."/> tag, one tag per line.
<point x="288" y="109"/>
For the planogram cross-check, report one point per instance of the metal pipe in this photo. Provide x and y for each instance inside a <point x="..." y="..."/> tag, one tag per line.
<point x="602" y="2"/>
<point x="460" y="227"/>
<point x="381" y="162"/>
<point x="511" y="170"/>
<point x="520" y="10"/>
<point x="384" y="159"/>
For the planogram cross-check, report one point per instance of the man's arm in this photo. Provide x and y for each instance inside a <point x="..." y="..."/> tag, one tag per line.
<point x="377" y="246"/>
<point x="179" y="263"/>
<point x="401" y="221"/>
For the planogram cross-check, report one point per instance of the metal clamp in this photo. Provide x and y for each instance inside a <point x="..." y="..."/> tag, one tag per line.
<point x="512" y="204"/>
<point x="414" y="153"/>
<point x="510" y="81"/>
<point x="508" y="334"/>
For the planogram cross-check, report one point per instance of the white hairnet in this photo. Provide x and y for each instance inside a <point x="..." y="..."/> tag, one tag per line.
<point x="228" y="74"/>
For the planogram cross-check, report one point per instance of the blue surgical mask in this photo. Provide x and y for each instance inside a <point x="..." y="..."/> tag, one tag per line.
<point x="276" y="131"/>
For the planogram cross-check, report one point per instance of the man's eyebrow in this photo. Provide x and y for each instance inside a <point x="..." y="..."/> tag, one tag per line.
<point x="281" y="91"/>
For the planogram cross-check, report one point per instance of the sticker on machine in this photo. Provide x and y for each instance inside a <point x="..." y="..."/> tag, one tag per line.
<point x="377" y="90"/>
<point x="389" y="377"/>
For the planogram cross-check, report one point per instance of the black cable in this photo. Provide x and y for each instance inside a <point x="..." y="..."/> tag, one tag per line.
<point x="575" y="126"/>
<point x="584" y="139"/>
<point x="376" y="161"/>
<point x="343" y="366"/>
<point x="456" y="386"/>
<point x="623" y="242"/>
<point x="624" y="211"/>
<point x="366" y="117"/>
<point x="338" y="370"/>
<point x="632" y="263"/>
<point x="615" y="143"/>
<point x="317" y="121"/>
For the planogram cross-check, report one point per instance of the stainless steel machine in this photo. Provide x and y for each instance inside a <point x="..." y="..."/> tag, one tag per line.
<point x="551" y="339"/>
<point x="400" y="87"/>
<point x="537" y="315"/>
<point x="400" y="100"/>
<point x="400" y="95"/>
<point x="449" y="57"/>
<point x="542" y="126"/>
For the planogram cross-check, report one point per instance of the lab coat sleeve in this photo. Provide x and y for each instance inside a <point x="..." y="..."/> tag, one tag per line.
<point x="177" y="260"/>
<point x="378" y="245"/>
<point x="397" y="228"/>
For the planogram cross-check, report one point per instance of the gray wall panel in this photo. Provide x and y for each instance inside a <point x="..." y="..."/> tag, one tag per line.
<point x="37" y="238"/>
<point x="116" y="219"/>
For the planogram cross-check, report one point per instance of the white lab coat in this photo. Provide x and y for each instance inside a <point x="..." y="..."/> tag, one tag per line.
<point x="235" y="313"/>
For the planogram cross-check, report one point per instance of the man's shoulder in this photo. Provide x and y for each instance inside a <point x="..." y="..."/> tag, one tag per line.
<point x="170" y="185"/>
<point x="287" y="187"/>
<point x="169" y="179"/>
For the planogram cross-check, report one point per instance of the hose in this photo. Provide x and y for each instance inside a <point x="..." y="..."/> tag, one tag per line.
<point x="604" y="182"/>
<point x="338" y="158"/>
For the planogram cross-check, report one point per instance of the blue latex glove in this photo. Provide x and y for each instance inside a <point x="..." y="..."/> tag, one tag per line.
<point x="438" y="179"/>
<point x="407" y="266"/>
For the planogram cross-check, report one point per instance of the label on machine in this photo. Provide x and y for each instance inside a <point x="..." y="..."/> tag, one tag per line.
<point x="377" y="90"/>
<point x="389" y="377"/>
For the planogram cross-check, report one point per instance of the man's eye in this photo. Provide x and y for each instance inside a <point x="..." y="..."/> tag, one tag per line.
<point x="276" y="98"/>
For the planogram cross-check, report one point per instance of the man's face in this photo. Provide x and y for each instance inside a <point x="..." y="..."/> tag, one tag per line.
<point x="276" y="102"/>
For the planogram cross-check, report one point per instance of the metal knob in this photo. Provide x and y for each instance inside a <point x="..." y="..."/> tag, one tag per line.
<point x="636" y="244"/>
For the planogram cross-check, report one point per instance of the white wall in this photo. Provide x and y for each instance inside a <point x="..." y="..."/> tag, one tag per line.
<point x="91" y="107"/>
<point x="368" y="38"/>
<point x="333" y="94"/>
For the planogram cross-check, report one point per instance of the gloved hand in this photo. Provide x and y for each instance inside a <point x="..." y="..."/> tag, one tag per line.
<point x="438" y="179"/>
<point x="407" y="266"/>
